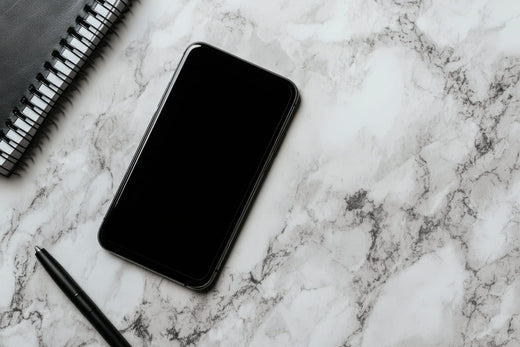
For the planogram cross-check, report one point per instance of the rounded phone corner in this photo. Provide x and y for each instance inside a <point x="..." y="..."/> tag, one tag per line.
<point x="101" y="238"/>
<point x="295" y="93"/>
<point x="194" y="45"/>
<point x="205" y="284"/>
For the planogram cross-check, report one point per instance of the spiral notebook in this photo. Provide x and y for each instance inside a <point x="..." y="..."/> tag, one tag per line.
<point x="44" y="46"/>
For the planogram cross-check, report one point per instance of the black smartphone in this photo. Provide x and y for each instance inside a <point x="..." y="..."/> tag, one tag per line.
<point x="199" y="165"/>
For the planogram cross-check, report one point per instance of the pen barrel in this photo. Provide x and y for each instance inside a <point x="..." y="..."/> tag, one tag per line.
<point x="99" y="321"/>
<point x="81" y="300"/>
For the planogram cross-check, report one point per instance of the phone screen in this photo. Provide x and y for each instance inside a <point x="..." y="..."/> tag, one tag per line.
<point x="200" y="163"/>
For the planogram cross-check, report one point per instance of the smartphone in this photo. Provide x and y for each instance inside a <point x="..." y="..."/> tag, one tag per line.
<point x="199" y="165"/>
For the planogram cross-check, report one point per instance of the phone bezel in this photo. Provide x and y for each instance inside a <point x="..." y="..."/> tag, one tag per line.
<point x="206" y="282"/>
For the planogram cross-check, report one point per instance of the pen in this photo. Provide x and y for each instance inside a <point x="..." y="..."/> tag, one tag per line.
<point x="86" y="306"/>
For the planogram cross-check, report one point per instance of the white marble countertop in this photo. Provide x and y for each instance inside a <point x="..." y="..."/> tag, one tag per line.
<point x="390" y="216"/>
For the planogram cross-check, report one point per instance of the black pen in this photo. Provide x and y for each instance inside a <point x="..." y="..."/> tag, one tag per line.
<point x="87" y="307"/>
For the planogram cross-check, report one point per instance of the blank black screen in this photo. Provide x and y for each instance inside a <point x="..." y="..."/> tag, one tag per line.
<point x="182" y="199"/>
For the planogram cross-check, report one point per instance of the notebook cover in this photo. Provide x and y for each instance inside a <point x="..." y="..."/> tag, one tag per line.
<point x="30" y="30"/>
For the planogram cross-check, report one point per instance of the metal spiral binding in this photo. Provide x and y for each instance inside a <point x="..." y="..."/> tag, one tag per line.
<point x="58" y="73"/>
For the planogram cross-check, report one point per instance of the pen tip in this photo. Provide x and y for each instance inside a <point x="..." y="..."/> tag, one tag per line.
<point x="37" y="248"/>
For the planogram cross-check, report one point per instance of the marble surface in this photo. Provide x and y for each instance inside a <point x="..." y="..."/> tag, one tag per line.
<point x="390" y="216"/>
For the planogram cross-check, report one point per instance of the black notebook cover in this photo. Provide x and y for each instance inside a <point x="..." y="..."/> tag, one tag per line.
<point x="31" y="30"/>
